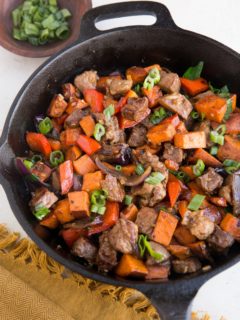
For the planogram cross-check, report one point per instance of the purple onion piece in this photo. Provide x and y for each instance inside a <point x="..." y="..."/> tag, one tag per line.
<point x="77" y="182"/>
<point x="23" y="170"/>
<point x="38" y="119"/>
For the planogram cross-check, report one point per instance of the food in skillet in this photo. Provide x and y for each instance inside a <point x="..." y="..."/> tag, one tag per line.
<point x="139" y="173"/>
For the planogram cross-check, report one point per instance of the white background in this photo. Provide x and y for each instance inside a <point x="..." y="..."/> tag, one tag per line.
<point x="219" y="19"/>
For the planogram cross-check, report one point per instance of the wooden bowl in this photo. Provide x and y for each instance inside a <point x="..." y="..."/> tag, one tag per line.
<point x="23" y="48"/>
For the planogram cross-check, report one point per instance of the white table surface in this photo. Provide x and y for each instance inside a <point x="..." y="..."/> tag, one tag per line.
<point x="216" y="19"/>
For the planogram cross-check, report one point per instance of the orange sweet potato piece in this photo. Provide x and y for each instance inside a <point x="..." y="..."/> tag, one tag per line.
<point x="231" y="225"/>
<point x="191" y="140"/>
<point x="79" y="204"/>
<point x="213" y="107"/>
<point x="62" y="211"/>
<point x="219" y="201"/>
<point x="130" y="212"/>
<point x="136" y="74"/>
<point x="174" y="190"/>
<point x="233" y="124"/>
<point x="199" y="248"/>
<point x="153" y="95"/>
<point x="194" y="87"/>
<point x="164" y="228"/>
<point x="206" y="157"/>
<point x="55" y="144"/>
<point x="73" y="153"/>
<point x="38" y="142"/>
<point x="129" y="266"/>
<point x="230" y="149"/>
<point x="71" y="136"/>
<point x="161" y="133"/>
<point x="84" y="165"/>
<point x="174" y="120"/>
<point x="182" y="207"/>
<point x="75" y="103"/>
<point x="153" y="149"/>
<point x="181" y="252"/>
<point x="50" y="221"/>
<point x="92" y="181"/>
<point x="183" y="235"/>
<point x="57" y="106"/>
<point x="189" y="171"/>
<point x="234" y="101"/>
<point x="171" y="165"/>
<point x="129" y="169"/>
<point x="149" y="68"/>
<point x="88" y="124"/>
<point x="102" y="82"/>
<point x="158" y="272"/>
<point x="181" y="128"/>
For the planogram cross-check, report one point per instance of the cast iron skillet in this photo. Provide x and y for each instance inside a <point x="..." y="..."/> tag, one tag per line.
<point x="163" y="43"/>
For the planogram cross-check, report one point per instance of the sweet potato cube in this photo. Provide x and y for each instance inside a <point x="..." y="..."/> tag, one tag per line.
<point x="84" y="165"/>
<point x="164" y="228"/>
<point x="183" y="235"/>
<point x="62" y="211"/>
<point x="79" y="203"/>
<point x="92" y="181"/>
<point x="161" y="133"/>
<point x="191" y="140"/>
<point x="73" y="153"/>
<point x="158" y="272"/>
<point x="231" y="225"/>
<point x="50" y="221"/>
<point x="213" y="107"/>
<point x="130" y="212"/>
<point x="129" y="266"/>
<point x="88" y="125"/>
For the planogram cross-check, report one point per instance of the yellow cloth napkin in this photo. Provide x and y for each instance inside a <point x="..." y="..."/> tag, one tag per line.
<point x="35" y="287"/>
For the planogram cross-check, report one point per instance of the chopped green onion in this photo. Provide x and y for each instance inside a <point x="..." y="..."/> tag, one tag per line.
<point x="98" y="198"/>
<point x="144" y="245"/>
<point x="196" y="202"/>
<point x="99" y="131"/>
<point x="139" y="169"/>
<point x="16" y="17"/>
<point x="137" y="88"/>
<point x="217" y="136"/>
<point x="36" y="158"/>
<point x="198" y="168"/>
<point x="214" y="150"/>
<point x="45" y="126"/>
<point x="65" y="13"/>
<point x="28" y="164"/>
<point x="152" y="79"/>
<point x="41" y="212"/>
<point x="203" y="115"/>
<point x="31" y="29"/>
<point x="231" y="166"/>
<point x="109" y="111"/>
<point x="158" y="115"/>
<point x="195" y="115"/>
<point x="56" y="157"/>
<point x="193" y="73"/>
<point x="52" y="3"/>
<point x="221" y="129"/>
<point x="223" y="92"/>
<point x="62" y="32"/>
<point x="229" y="110"/>
<point x="127" y="200"/>
<point x="155" y="178"/>
<point x="118" y="167"/>
<point x="98" y="209"/>
<point x="101" y="210"/>
<point x="180" y="175"/>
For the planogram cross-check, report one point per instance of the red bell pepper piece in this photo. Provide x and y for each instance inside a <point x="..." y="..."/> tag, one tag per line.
<point x="66" y="176"/>
<point x="38" y="142"/>
<point x="174" y="120"/>
<point x="95" y="99"/>
<point x="121" y="103"/>
<point x="71" y="235"/>
<point x="88" y="145"/>
<point x="174" y="190"/>
<point x="110" y="217"/>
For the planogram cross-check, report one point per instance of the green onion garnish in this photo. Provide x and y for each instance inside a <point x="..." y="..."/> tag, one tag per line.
<point x="98" y="209"/>
<point x="155" y="178"/>
<point x="214" y="150"/>
<point x="41" y="212"/>
<point x="36" y="158"/>
<point x="195" y="115"/>
<point x="196" y="202"/>
<point x="99" y="131"/>
<point x="109" y="111"/>
<point x="127" y="200"/>
<point x="198" y="168"/>
<point x="158" y="115"/>
<point x="217" y="136"/>
<point x="193" y="73"/>
<point x="152" y="79"/>
<point x="231" y="166"/>
<point x="56" y="157"/>
<point x="139" y="169"/>
<point x="98" y="198"/>
<point x="118" y="167"/>
<point x="144" y="245"/>
<point x="28" y="163"/>
<point x="45" y="126"/>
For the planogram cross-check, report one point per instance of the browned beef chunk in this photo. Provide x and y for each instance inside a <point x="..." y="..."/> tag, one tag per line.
<point x="210" y="181"/>
<point x="159" y="193"/>
<point x="69" y="91"/>
<point x="205" y="127"/>
<point x="220" y="240"/>
<point x="72" y="121"/>
<point x="123" y="236"/>
<point x="226" y="192"/>
<point x="83" y="248"/>
<point x="150" y="194"/>
<point x="158" y="248"/>
<point x="199" y="225"/>
<point x="57" y="106"/>
<point x="169" y="82"/>
<point x="55" y="179"/>
<point x="235" y="186"/>
<point x="177" y="102"/>
<point x="117" y="154"/>
<point x="114" y="188"/>
<point x="113" y="133"/>
<point x="146" y="219"/>
<point x="188" y="265"/>
<point x="137" y="136"/>
<point x="107" y="256"/>
<point x="119" y="86"/>
<point x="172" y="153"/>
<point x="42" y="197"/>
<point x="202" y="95"/>
<point x="41" y="170"/>
<point x="86" y="80"/>
<point x="136" y="109"/>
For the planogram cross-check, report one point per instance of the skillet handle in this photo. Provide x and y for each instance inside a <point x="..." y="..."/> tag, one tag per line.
<point x="124" y="9"/>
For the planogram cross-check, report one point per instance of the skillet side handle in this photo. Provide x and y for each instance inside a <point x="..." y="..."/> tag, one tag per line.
<point x="172" y="303"/>
<point x="124" y="9"/>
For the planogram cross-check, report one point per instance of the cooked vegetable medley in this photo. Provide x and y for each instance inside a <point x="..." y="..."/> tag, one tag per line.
<point x="40" y="22"/>
<point x="138" y="172"/>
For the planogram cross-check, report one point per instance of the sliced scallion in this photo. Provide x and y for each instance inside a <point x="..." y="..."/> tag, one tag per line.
<point x="196" y="202"/>
<point x="155" y="178"/>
